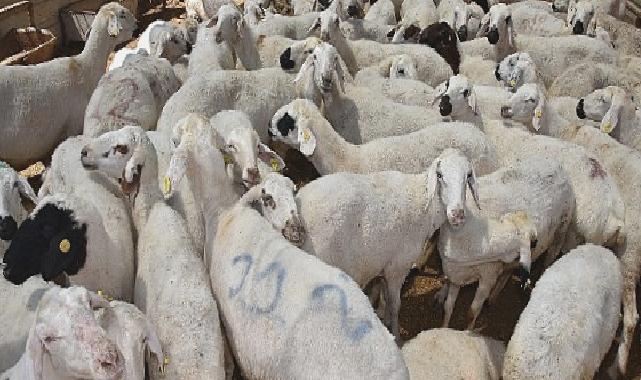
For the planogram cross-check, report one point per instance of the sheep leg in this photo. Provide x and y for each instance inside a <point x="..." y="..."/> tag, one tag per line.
<point x="630" y="318"/>
<point x="452" y="294"/>
<point x="498" y="287"/>
<point x="441" y="295"/>
<point x="486" y="283"/>
<point x="394" y="282"/>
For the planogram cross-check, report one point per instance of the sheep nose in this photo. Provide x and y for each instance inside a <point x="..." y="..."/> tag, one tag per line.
<point x="352" y="10"/>
<point x="496" y="73"/>
<point x="578" y="28"/>
<point x="506" y="112"/>
<point x="580" y="112"/>
<point x="253" y="176"/>
<point x="83" y="152"/>
<point x="445" y="107"/>
<point x="457" y="217"/>
<point x="533" y="243"/>
<point x="462" y="33"/>
<point x="8" y="227"/>
<point x="493" y="36"/>
<point x="294" y="231"/>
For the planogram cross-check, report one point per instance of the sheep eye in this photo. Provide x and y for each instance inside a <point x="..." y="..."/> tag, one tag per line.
<point x="122" y="149"/>
<point x="105" y="155"/>
<point x="466" y="92"/>
<point x="439" y="175"/>
<point x="469" y="175"/>
<point x="49" y="339"/>
<point x="231" y="147"/>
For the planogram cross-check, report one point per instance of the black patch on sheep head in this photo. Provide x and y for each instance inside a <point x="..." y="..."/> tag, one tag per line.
<point x="493" y="36"/>
<point x="48" y="243"/>
<point x="442" y="38"/>
<point x="462" y="33"/>
<point x="578" y="27"/>
<point x="286" y="62"/>
<point x="483" y="4"/>
<point x="445" y="107"/>
<point x="8" y="227"/>
<point x="580" y="112"/>
<point x="411" y="33"/>
<point x="285" y="124"/>
<point x="497" y="74"/>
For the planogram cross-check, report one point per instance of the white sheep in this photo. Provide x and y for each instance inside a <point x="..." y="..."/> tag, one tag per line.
<point x="266" y="287"/>
<point x="232" y="28"/>
<point x="210" y="52"/>
<point x="294" y="27"/>
<point x="583" y="78"/>
<point x="525" y="210"/>
<point x="518" y="69"/>
<point x="289" y="54"/>
<point x="388" y="213"/>
<point x="550" y="340"/>
<point x="625" y="37"/>
<point x="464" y="18"/>
<point x="356" y="113"/>
<point x="13" y="188"/>
<point x="66" y="342"/>
<point x="450" y="354"/>
<point x="613" y="108"/>
<point x="134" y="335"/>
<point x="186" y="32"/>
<point x="301" y="125"/>
<point x="536" y="18"/>
<point x="33" y="96"/>
<point x="623" y="163"/>
<point x="171" y="285"/>
<point x="124" y="55"/>
<point x="382" y="13"/>
<point x="130" y="95"/>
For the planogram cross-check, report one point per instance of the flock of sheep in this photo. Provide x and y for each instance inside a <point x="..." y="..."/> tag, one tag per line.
<point x="165" y="243"/>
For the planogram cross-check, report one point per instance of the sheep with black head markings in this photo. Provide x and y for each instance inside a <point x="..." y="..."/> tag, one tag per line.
<point x="301" y="125"/>
<point x="517" y="69"/>
<point x="13" y="188"/>
<point x="185" y="312"/>
<point x="270" y="291"/>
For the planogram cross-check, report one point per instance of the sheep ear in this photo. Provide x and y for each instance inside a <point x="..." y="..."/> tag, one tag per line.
<point x="26" y="190"/>
<point x="538" y="112"/>
<point x="113" y="24"/>
<point x="154" y="347"/>
<point x="440" y="91"/>
<point x="307" y="65"/>
<point x="130" y="181"/>
<point x="471" y="101"/>
<point x="269" y="157"/>
<point x="432" y="181"/>
<point x="239" y="27"/>
<point x="510" y="31"/>
<point x="176" y="169"/>
<point x="591" y="28"/>
<point x="484" y="27"/>
<point x="611" y="118"/>
<point x="315" y="25"/>
<point x="471" y="183"/>
<point x="306" y="140"/>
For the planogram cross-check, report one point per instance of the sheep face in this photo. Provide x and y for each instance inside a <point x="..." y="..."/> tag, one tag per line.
<point x="448" y="178"/>
<point x="171" y="45"/>
<point x="560" y="5"/>
<point x="328" y="24"/>
<point x="514" y="70"/>
<point x="279" y="207"/>
<point x="326" y="66"/>
<point x="229" y="22"/>
<point x="442" y="38"/>
<point x="525" y="106"/>
<point x="12" y="188"/>
<point x="580" y="17"/>
<point x="293" y="57"/>
<point x="604" y="105"/>
<point x="253" y="12"/>
<point x="49" y="242"/>
<point x="497" y="24"/>
<point x="456" y="97"/>
<point x="401" y="67"/>
<point x="121" y="23"/>
<point x="243" y="144"/>
<point x="461" y="16"/>
<point x="189" y="31"/>
<point x="290" y="124"/>
<point x="403" y="33"/>
<point x="66" y="331"/>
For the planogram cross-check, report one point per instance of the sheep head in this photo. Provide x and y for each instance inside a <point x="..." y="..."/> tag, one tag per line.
<point x="496" y="25"/>
<point x="295" y="55"/>
<point x="448" y="178"/>
<point x="606" y="106"/>
<point x="171" y="44"/>
<point x="398" y="67"/>
<point x="319" y="74"/>
<point x="49" y="242"/>
<point x="291" y="124"/>
<point x="516" y="70"/>
<point x="456" y="97"/>
<point x="120" y="22"/>
<point x="13" y="188"/>
<point x="581" y="17"/>
<point x="229" y="23"/>
<point x="328" y="25"/>
<point x="527" y="106"/>
<point x="66" y="332"/>
<point x="442" y="38"/>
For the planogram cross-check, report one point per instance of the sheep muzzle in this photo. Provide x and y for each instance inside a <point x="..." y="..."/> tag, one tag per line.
<point x="493" y="36"/>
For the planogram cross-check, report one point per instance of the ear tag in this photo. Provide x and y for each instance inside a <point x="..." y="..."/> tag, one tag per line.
<point x="64" y="246"/>
<point x="274" y="164"/>
<point x="166" y="185"/>
<point x="228" y="159"/>
<point x="306" y="135"/>
<point x="99" y="292"/>
<point x="538" y="114"/>
<point x="513" y="83"/>
<point x="165" y="360"/>
<point x="607" y="127"/>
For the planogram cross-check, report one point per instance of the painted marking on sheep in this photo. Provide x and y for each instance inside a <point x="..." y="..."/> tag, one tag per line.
<point x="596" y="170"/>
<point x="274" y="267"/>
<point x="361" y="328"/>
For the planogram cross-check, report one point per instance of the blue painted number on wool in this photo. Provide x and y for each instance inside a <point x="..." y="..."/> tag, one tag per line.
<point x="273" y="269"/>
<point x="362" y="327"/>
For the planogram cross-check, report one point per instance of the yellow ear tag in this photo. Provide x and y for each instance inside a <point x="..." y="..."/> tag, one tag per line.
<point x="166" y="360"/>
<point x="228" y="159"/>
<point x="607" y="128"/>
<point x="99" y="292"/>
<point x="512" y="83"/>
<point x="274" y="163"/>
<point x="166" y="185"/>
<point x="65" y="246"/>
<point x="306" y="135"/>
<point x="538" y="114"/>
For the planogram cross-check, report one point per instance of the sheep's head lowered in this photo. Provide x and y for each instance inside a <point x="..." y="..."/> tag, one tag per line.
<point x="13" y="188"/>
<point x="527" y="106"/>
<point x="515" y="70"/>
<point x="456" y="97"/>
<point x="398" y="67"/>
<point x="320" y="74"/>
<point x="608" y="106"/>
<point x="66" y="337"/>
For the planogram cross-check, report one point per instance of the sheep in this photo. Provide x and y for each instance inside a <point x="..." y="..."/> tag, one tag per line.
<point x="131" y="95"/>
<point x="203" y="10"/>
<point x="382" y="13"/>
<point x="584" y="78"/>
<point x="124" y="55"/>
<point x="167" y="41"/>
<point x="13" y="188"/>
<point x="215" y="91"/>
<point x="623" y="163"/>
<point x="249" y="301"/>
<point x="32" y="96"/>
<point x="443" y="39"/>
<point x="409" y="153"/>
<point x="357" y="114"/>
<point x="289" y="54"/>
<point x="450" y="354"/>
<point x="625" y="37"/>
<point x="415" y="13"/>
<point x="171" y="285"/>
<point x="594" y="222"/>
<point x="552" y="55"/>
<point x="403" y="221"/>
<point x="463" y="18"/>
<point x="549" y="342"/>
<point x="518" y="69"/>
<point x="612" y="107"/>
<point x="357" y="29"/>
<point x="431" y="68"/>
<point x="537" y="19"/>
<point x="186" y="32"/>
<point x="500" y="242"/>
<point x="534" y="204"/>
<point x="18" y="311"/>
<point x="209" y="53"/>
<point x="126" y="326"/>
<point x="66" y="342"/>
<point x="232" y="28"/>
<point x="294" y="27"/>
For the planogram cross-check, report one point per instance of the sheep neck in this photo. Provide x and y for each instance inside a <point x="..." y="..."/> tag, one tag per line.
<point x="345" y="50"/>
<point x="97" y="49"/>
<point x="332" y="154"/>
<point x="247" y="50"/>
<point x="149" y="192"/>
